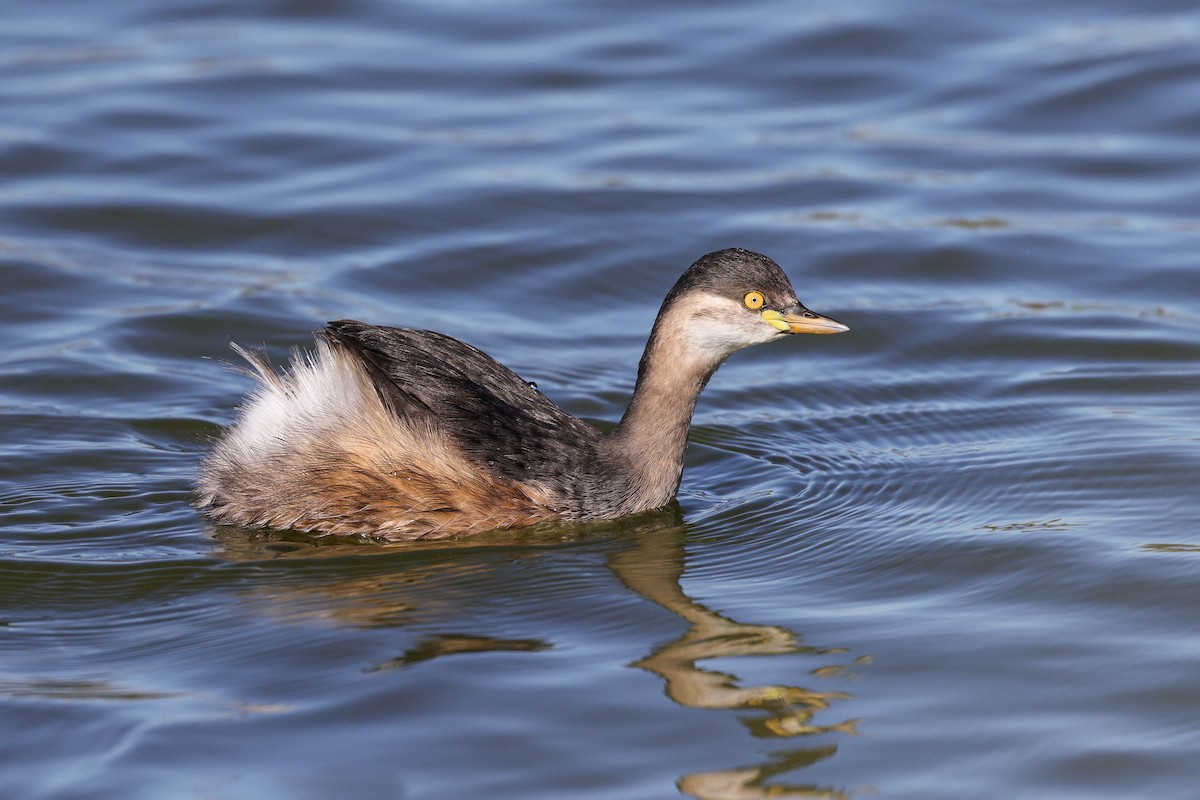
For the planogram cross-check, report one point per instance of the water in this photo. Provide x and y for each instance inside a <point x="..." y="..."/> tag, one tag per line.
<point x="950" y="554"/>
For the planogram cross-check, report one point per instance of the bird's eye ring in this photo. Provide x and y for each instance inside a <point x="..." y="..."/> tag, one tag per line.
<point x="754" y="300"/>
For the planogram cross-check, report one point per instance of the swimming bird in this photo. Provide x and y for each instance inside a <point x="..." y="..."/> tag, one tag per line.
<point x="403" y="434"/>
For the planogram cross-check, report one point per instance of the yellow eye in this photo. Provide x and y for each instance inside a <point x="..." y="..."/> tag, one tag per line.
<point x="754" y="300"/>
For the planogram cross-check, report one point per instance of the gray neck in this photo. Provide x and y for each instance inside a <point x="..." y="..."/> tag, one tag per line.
<point x="650" y="441"/>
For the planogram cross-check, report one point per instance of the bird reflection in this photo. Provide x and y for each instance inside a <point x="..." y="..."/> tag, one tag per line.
<point x="649" y="561"/>
<point x="653" y="568"/>
<point x="451" y="644"/>
<point x="750" y="783"/>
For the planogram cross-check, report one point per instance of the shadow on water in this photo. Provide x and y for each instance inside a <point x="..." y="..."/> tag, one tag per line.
<point x="647" y="557"/>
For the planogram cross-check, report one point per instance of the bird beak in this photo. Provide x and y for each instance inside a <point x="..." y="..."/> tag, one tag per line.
<point x="802" y="321"/>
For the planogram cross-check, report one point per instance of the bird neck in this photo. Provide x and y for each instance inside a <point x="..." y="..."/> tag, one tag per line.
<point x="652" y="435"/>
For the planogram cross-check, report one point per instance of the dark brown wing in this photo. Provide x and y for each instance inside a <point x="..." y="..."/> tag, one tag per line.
<point x="500" y="422"/>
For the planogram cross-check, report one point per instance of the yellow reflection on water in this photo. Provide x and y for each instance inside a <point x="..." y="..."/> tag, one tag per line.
<point x="653" y="568"/>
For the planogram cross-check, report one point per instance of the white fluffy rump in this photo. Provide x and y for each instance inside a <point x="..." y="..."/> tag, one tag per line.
<point x="315" y="448"/>
<point x="318" y="394"/>
<point x="294" y="425"/>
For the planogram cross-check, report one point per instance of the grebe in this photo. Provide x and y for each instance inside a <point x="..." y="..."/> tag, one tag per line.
<point x="406" y="434"/>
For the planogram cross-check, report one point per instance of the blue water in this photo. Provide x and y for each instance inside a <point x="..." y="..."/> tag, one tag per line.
<point x="952" y="553"/>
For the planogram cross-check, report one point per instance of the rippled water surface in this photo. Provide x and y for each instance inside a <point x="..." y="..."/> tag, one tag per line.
<point x="953" y="553"/>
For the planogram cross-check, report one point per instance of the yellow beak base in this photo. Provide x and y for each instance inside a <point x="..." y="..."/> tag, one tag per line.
<point x="804" y="321"/>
